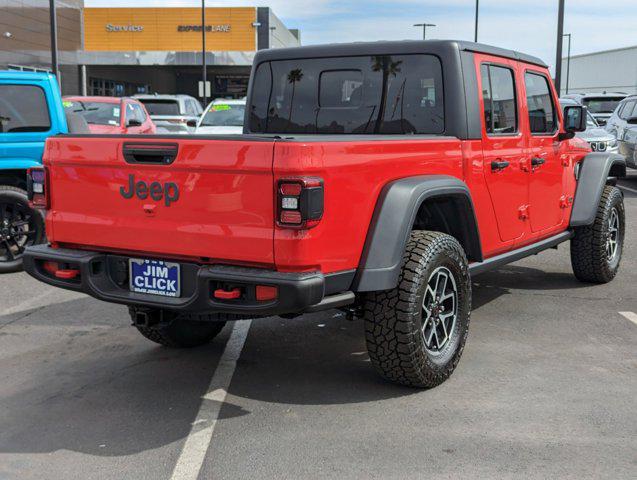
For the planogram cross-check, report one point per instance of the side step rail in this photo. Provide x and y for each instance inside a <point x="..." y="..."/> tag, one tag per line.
<point x="477" y="268"/>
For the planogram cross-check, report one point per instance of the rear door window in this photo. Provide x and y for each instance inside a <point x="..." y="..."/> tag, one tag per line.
<point x="385" y="94"/>
<point x="542" y="115"/>
<point x="500" y="105"/>
<point x="23" y="108"/>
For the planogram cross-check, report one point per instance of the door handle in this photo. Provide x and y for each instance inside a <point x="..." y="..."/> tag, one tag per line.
<point x="499" y="165"/>
<point x="537" y="161"/>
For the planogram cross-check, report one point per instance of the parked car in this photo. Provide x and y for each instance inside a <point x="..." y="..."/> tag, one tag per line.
<point x="111" y="114"/>
<point x="172" y="113"/>
<point x="378" y="178"/>
<point x="600" y="105"/>
<point x="30" y="112"/>
<point x="599" y="139"/>
<point x="623" y="125"/>
<point x="222" y="117"/>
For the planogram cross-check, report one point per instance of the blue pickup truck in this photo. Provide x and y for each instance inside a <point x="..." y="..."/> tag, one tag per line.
<point x="30" y="111"/>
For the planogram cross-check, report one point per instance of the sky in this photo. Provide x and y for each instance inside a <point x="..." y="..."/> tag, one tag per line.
<point x="529" y="26"/>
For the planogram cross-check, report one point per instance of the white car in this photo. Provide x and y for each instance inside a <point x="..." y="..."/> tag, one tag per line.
<point x="222" y="117"/>
<point x="172" y="114"/>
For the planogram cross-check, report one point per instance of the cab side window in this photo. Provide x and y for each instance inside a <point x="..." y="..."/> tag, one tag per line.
<point x="627" y="110"/>
<point x="542" y="115"/>
<point x="130" y="113"/>
<point x="500" y="106"/>
<point x="139" y="113"/>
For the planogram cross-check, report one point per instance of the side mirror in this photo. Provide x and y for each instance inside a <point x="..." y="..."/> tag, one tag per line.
<point x="192" y="123"/>
<point x="632" y="121"/>
<point x="133" y="123"/>
<point x="575" y="118"/>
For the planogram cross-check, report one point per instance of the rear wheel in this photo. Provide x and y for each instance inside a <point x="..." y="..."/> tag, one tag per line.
<point x="596" y="249"/>
<point x="20" y="227"/>
<point x="416" y="332"/>
<point x="176" y="331"/>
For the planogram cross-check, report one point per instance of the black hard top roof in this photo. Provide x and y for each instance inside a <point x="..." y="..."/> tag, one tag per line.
<point x="395" y="47"/>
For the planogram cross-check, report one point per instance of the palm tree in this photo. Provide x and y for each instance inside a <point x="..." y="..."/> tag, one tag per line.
<point x="293" y="76"/>
<point x="385" y="64"/>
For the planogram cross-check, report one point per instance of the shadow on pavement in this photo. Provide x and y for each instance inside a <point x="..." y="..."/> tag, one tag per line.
<point x="108" y="392"/>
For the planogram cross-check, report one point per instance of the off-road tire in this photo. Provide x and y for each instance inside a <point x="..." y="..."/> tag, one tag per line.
<point x="588" y="247"/>
<point x="183" y="331"/>
<point x="8" y="195"/>
<point x="394" y="318"/>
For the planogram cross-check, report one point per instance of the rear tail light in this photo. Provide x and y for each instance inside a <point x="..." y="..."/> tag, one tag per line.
<point x="299" y="202"/>
<point x="37" y="190"/>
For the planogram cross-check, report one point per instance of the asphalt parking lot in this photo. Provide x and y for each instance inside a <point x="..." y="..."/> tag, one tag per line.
<point x="546" y="388"/>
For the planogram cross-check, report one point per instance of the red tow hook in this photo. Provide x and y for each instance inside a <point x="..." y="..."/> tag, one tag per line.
<point x="66" y="274"/>
<point x="227" y="294"/>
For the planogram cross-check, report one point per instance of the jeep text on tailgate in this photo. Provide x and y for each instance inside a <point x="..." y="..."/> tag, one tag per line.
<point x="375" y="178"/>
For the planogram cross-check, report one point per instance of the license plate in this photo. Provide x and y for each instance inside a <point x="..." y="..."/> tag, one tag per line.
<point x="154" y="277"/>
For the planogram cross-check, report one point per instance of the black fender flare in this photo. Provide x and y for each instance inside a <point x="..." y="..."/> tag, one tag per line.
<point x="392" y="221"/>
<point x="592" y="176"/>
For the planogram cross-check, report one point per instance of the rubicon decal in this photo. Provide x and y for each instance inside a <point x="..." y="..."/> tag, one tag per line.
<point x="169" y="191"/>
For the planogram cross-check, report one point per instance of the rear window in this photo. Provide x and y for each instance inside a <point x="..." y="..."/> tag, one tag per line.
<point x="602" y="105"/>
<point x="95" y="113"/>
<point x="161" y="107"/>
<point x="23" y="108"/>
<point x="385" y="94"/>
<point x="224" y="115"/>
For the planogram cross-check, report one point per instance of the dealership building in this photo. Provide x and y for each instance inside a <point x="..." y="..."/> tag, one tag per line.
<point x="605" y="71"/>
<point x="124" y="51"/>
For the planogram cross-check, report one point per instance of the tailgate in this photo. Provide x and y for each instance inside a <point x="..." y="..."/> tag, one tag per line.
<point x="169" y="197"/>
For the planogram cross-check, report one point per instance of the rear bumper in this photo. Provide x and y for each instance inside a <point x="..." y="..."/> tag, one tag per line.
<point x="105" y="276"/>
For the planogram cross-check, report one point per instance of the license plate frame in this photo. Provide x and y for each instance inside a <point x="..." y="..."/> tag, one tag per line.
<point x="151" y="283"/>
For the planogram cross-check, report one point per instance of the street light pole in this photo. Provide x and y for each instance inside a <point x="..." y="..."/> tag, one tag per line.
<point x="203" y="52"/>
<point x="475" y="37"/>
<point x="558" y="56"/>
<point x="424" y="28"/>
<point x="54" y="39"/>
<point x="568" y="59"/>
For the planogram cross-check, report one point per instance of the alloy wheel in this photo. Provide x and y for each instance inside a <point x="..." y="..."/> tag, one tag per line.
<point x="439" y="310"/>
<point x="17" y="230"/>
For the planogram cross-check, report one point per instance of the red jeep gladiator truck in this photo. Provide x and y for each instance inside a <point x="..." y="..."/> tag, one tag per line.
<point x="372" y="177"/>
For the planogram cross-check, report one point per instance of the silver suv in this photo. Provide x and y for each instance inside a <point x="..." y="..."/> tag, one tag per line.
<point x="623" y="125"/>
<point x="600" y="105"/>
<point x="172" y="113"/>
<point x="599" y="139"/>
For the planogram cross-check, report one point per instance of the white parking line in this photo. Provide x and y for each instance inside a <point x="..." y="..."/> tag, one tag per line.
<point x="630" y="316"/>
<point x="194" y="452"/>
<point x="628" y="188"/>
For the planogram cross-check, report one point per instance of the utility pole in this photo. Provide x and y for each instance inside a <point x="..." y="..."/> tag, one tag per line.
<point x="203" y="52"/>
<point x="54" y="39"/>
<point x="475" y="37"/>
<point x="558" y="56"/>
<point x="424" y="28"/>
<point x="568" y="59"/>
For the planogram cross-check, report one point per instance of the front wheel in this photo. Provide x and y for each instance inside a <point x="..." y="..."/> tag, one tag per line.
<point x="596" y="250"/>
<point x="416" y="332"/>
<point x="20" y="227"/>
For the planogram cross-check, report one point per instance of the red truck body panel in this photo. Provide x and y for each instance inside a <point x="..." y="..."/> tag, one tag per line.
<point x="225" y="209"/>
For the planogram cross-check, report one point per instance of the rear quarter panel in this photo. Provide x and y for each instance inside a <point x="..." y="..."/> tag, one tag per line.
<point x="354" y="172"/>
